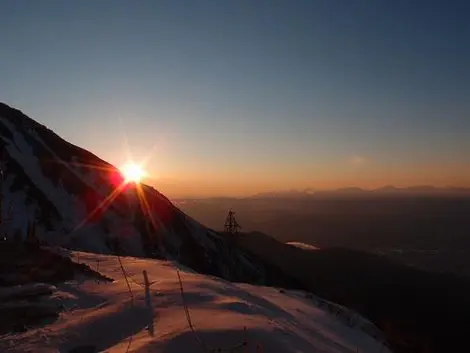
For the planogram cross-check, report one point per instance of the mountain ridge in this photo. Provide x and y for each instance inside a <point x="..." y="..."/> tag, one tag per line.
<point x="77" y="200"/>
<point x="384" y="190"/>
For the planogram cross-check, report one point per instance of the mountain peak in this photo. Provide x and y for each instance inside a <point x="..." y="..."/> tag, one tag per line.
<point x="75" y="199"/>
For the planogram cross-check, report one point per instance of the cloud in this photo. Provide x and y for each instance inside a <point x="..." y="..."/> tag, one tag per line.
<point x="357" y="160"/>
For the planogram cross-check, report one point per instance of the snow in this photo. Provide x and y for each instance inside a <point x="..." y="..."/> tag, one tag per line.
<point x="17" y="200"/>
<point x="303" y="245"/>
<point x="25" y="291"/>
<point x="22" y="152"/>
<point x="104" y="315"/>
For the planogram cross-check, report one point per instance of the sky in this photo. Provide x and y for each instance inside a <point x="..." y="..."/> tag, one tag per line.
<point x="245" y="96"/>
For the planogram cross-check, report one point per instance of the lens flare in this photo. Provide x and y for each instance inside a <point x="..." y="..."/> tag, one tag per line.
<point x="132" y="172"/>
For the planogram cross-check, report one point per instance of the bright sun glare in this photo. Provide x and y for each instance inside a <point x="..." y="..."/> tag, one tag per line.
<point x="132" y="172"/>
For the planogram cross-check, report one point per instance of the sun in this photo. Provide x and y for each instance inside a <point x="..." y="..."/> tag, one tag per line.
<point x="132" y="172"/>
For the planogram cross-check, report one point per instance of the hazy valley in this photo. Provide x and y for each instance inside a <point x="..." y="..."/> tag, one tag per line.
<point x="429" y="229"/>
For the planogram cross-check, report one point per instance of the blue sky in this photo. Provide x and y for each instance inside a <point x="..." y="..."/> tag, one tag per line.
<point x="244" y="95"/>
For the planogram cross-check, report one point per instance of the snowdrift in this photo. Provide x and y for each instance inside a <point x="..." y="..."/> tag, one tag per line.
<point x="118" y="317"/>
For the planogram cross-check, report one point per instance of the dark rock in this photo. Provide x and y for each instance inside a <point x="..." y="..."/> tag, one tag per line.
<point x="84" y="349"/>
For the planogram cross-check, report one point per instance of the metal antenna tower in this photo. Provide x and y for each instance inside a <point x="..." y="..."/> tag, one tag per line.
<point x="231" y="225"/>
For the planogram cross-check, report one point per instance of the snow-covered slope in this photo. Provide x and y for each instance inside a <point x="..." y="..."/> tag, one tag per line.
<point x="79" y="201"/>
<point x="104" y="316"/>
<point x="302" y="245"/>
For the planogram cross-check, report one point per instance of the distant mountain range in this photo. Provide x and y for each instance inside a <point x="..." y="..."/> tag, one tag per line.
<point x="352" y="191"/>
